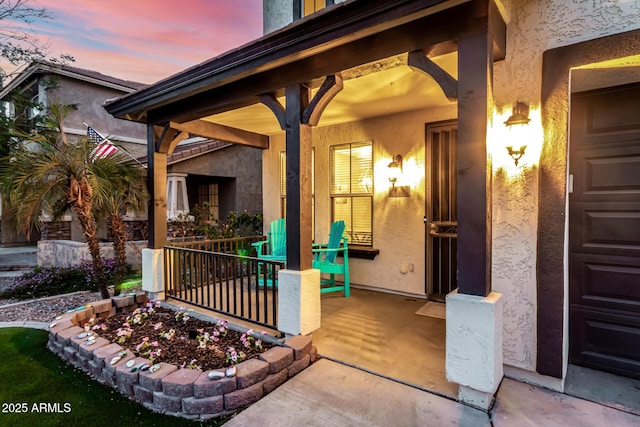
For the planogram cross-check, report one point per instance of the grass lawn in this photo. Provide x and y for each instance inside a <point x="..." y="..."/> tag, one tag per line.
<point x="48" y="392"/>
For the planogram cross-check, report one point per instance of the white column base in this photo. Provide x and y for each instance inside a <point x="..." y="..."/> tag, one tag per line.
<point x="474" y="346"/>
<point x="153" y="273"/>
<point x="298" y="301"/>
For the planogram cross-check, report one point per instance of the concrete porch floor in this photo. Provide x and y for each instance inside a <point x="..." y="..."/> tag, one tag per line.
<point x="381" y="333"/>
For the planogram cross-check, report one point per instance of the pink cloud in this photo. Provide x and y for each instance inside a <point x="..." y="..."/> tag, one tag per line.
<point x="147" y="40"/>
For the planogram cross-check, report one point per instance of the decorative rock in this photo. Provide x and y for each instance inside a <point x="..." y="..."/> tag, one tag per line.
<point x="231" y="371"/>
<point x="153" y="380"/>
<point x="130" y="363"/>
<point x="215" y="375"/>
<point x="118" y="357"/>
<point x="155" y="368"/>
<point x="64" y="336"/>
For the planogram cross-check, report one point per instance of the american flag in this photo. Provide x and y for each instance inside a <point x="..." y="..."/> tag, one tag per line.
<point x="104" y="147"/>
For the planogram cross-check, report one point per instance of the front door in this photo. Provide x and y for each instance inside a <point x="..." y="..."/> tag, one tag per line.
<point x="441" y="218"/>
<point x="604" y="230"/>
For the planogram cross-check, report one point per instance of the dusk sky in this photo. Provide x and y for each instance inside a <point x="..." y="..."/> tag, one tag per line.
<point x="147" y="40"/>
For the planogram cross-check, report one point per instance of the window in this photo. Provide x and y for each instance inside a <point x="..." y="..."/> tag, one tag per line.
<point x="208" y="193"/>
<point x="283" y="188"/>
<point x="352" y="190"/>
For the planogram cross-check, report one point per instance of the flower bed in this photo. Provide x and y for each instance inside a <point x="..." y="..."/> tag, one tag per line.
<point x="198" y="386"/>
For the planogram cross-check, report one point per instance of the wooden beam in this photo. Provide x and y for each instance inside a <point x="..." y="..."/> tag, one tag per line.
<point x="157" y="187"/>
<point x="418" y="61"/>
<point x="274" y="105"/>
<point x="167" y="138"/>
<point x="475" y="101"/>
<point x="329" y="89"/>
<point x="298" y="145"/>
<point x="215" y="131"/>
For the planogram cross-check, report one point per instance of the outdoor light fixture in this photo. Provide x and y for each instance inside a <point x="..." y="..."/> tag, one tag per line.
<point x="517" y="122"/>
<point x="395" y="171"/>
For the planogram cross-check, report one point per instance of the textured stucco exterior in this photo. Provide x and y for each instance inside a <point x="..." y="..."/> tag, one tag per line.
<point x="535" y="27"/>
<point x="89" y="98"/>
<point x="276" y="14"/>
<point x="238" y="170"/>
<point x="398" y="227"/>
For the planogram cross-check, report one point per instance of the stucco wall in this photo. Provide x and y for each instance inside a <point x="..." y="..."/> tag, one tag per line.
<point x="534" y="26"/>
<point x="89" y="99"/>
<point x="242" y="163"/>
<point x="398" y="228"/>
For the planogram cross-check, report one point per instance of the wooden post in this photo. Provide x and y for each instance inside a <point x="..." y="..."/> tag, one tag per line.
<point x="157" y="187"/>
<point x="298" y="146"/>
<point x="475" y="100"/>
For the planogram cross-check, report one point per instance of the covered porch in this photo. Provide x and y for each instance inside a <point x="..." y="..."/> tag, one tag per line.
<point x="345" y="74"/>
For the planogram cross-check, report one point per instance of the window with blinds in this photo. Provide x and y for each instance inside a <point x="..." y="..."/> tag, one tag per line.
<point x="283" y="187"/>
<point x="352" y="190"/>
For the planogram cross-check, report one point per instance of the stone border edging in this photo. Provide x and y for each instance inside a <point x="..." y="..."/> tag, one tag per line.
<point x="187" y="393"/>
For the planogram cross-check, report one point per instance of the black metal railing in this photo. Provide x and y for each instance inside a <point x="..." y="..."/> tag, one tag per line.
<point x="231" y="245"/>
<point x="243" y="287"/>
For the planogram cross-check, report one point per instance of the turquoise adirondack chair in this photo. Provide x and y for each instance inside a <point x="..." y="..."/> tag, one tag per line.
<point x="276" y="243"/>
<point x="272" y="249"/>
<point x="325" y="257"/>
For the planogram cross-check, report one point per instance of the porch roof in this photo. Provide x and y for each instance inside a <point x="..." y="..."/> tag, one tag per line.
<point x="332" y="40"/>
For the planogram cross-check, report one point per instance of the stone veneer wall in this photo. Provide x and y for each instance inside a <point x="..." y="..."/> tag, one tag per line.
<point x="187" y="393"/>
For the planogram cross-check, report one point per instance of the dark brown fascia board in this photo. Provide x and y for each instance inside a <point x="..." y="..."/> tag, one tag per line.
<point x="344" y="22"/>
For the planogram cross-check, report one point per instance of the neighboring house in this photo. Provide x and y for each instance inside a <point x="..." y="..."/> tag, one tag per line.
<point x="47" y="83"/>
<point x="535" y="248"/>
<point x="226" y="177"/>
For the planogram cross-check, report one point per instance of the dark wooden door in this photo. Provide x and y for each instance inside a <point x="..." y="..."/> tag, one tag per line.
<point x="604" y="230"/>
<point x="441" y="219"/>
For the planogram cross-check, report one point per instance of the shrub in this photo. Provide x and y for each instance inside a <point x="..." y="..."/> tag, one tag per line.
<point x="42" y="282"/>
<point x="199" y="223"/>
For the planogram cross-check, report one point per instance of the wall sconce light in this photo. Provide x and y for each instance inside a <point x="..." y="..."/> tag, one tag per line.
<point x="517" y="122"/>
<point x="395" y="172"/>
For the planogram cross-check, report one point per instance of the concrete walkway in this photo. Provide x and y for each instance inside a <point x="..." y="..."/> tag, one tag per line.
<point x="331" y="394"/>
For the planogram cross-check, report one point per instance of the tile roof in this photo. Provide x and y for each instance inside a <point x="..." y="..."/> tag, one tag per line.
<point x="188" y="151"/>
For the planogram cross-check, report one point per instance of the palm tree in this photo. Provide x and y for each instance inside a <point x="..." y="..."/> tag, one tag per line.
<point x="126" y="193"/>
<point x="47" y="174"/>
